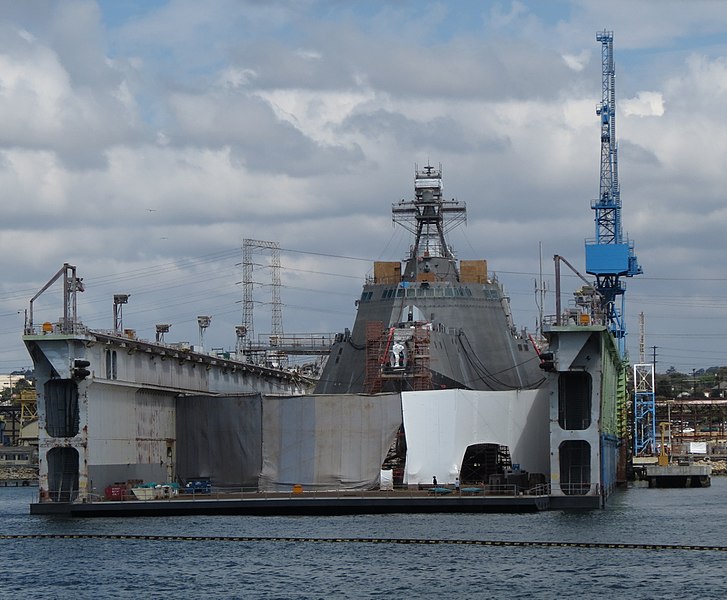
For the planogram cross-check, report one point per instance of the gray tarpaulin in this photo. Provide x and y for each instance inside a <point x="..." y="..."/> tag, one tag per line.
<point x="220" y="438"/>
<point x="327" y="442"/>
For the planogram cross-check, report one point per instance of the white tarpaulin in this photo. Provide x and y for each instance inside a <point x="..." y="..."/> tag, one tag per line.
<point x="327" y="442"/>
<point x="440" y="425"/>
<point x="387" y="480"/>
<point x="698" y="447"/>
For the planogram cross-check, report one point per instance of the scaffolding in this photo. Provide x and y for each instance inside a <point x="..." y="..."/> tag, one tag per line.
<point x="416" y="374"/>
<point x="422" y="374"/>
<point x="644" y="410"/>
<point x="28" y="407"/>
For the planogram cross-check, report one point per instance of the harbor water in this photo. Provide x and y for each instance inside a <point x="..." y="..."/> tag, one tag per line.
<point x="311" y="566"/>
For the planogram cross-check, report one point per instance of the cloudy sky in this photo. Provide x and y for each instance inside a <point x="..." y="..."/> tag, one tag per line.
<point x="143" y="140"/>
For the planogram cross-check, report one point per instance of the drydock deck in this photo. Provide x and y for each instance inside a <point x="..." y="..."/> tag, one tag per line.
<point x="307" y="503"/>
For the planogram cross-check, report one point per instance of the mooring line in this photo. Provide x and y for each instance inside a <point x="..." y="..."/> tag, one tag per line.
<point x="245" y="538"/>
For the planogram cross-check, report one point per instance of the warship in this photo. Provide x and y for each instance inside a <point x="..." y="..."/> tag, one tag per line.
<point x="431" y="321"/>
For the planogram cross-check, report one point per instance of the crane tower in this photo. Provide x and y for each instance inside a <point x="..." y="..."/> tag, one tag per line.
<point x="609" y="256"/>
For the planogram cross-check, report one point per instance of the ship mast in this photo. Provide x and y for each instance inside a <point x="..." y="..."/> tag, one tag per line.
<point x="425" y="215"/>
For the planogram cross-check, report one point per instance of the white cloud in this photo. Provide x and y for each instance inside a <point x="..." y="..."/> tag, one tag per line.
<point x="577" y="62"/>
<point x="309" y="54"/>
<point x="645" y="104"/>
<point x="27" y="36"/>
<point x="235" y="77"/>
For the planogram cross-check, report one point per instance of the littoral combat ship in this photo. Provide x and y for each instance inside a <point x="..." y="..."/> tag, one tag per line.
<point x="431" y="322"/>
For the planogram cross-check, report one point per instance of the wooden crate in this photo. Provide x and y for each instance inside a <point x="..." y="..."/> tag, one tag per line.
<point x="387" y="272"/>
<point x="473" y="271"/>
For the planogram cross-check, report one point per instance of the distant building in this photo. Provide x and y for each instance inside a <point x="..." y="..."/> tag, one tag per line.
<point x="10" y="379"/>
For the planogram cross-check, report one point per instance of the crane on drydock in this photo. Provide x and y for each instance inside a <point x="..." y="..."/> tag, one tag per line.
<point x="609" y="256"/>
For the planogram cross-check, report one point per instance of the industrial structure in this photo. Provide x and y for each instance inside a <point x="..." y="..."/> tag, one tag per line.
<point x="644" y="410"/>
<point x="273" y="349"/>
<point x="610" y="256"/>
<point x="112" y="407"/>
<point x="246" y="332"/>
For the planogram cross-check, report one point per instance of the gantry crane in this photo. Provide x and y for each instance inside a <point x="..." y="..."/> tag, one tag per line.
<point x="609" y="257"/>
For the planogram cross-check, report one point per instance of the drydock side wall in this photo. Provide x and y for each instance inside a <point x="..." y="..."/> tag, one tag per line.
<point x="583" y="388"/>
<point x="118" y="422"/>
<point x="122" y="434"/>
<point x="130" y="436"/>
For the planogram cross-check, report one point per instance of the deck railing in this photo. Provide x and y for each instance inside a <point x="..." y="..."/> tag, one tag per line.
<point x="164" y="493"/>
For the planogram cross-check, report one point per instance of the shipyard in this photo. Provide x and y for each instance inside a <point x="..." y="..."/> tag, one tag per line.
<point x="433" y="401"/>
<point x="324" y="299"/>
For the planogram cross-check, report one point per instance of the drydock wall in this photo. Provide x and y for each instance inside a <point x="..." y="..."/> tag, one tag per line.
<point x="583" y="390"/>
<point x="129" y="433"/>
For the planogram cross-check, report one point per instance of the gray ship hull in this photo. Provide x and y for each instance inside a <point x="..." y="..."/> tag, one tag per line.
<point x="431" y="321"/>
<point x="472" y="343"/>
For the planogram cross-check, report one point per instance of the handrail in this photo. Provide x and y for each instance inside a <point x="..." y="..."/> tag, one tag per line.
<point x="168" y="494"/>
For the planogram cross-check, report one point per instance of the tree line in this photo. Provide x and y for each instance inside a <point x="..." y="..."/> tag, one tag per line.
<point x="700" y="383"/>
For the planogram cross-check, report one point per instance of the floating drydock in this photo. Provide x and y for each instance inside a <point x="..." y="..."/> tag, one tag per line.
<point x="435" y="393"/>
<point x="525" y="450"/>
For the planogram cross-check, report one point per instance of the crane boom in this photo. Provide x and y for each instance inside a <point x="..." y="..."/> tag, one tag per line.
<point x="608" y="205"/>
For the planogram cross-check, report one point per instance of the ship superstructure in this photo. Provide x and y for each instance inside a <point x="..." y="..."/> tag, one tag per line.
<point x="431" y="321"/>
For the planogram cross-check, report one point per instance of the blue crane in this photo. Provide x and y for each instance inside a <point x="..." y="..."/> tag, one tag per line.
<point x="609" y="257"/>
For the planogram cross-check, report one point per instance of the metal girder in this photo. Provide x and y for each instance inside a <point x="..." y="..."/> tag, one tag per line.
<point x="644" y="410"/>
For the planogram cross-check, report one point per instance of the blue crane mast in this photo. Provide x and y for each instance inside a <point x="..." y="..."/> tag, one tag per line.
<point x="609" y="257"/>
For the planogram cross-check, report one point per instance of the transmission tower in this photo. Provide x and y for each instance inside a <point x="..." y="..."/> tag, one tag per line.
<point x="250" y="248"/>
<point x="609" y="257"/>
